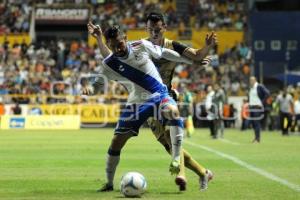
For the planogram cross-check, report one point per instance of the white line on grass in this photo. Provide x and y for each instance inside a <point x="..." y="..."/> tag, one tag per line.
<point x="250" y="167"/>
<point x="229" y="141"/>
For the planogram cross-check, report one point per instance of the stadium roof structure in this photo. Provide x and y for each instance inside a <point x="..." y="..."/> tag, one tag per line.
<point x="290" y="78"/>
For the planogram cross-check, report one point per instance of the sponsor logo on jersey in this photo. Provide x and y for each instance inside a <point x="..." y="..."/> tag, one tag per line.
<point x="121" y="68"/>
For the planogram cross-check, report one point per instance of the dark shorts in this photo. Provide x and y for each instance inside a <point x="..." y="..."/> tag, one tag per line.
<point x="134" y="115"/>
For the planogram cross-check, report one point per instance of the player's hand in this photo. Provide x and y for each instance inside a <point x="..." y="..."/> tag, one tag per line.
<point x="87" y="90"/>
<point x="211" y="39"/>
<point x="206" y="61"/>
<point x="94" y="30"/>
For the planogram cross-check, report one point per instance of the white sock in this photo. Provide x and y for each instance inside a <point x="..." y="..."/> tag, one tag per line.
<point x="176" y="134"/>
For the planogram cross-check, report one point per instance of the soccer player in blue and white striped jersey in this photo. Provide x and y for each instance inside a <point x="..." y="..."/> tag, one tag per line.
<point x="148" y="96"/>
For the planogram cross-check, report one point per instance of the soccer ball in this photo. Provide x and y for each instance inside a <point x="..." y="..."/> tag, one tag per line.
<point x="133" y="184"/>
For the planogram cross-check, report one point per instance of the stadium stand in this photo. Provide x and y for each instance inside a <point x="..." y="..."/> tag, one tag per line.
<point x="50" y="70"/>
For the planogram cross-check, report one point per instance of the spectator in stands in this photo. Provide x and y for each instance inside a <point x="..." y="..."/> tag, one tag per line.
<point x="15" y="15"/>
<point x="35" y="110"/>
<point x="30" y="69"/>
<point x="16" y="110"/>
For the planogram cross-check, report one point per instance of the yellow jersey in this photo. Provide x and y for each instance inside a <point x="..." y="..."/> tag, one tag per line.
<point x="165" y="67"/>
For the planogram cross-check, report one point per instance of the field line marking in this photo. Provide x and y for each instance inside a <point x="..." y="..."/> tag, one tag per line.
<point x="229" y="141"/>
<point x="250" y="167"/>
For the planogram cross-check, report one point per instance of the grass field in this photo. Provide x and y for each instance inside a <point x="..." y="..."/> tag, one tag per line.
<point x="70" y="165"/>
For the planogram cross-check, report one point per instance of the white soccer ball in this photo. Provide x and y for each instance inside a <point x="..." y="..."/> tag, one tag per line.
<point x="133" y="184"/>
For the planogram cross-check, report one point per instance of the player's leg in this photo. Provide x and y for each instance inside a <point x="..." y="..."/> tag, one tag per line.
<point x="204" y="174"/>
<point x="192" y="164"/>
<point x="128" y="126"/>
<point x="189" y="162"/>
<point x="298" y="122"/>
<point x="182" y="165"/>
<point x="180" y="179"/>
<point x="169" y="110"/>
<point x="113" y="158"/>
<point x="165" y="140"/>
<point x="222" y="127"/>
<point x="157" y="128"/>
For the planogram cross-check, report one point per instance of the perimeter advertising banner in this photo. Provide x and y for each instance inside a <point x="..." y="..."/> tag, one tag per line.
<point x="98" y="113"/>
<point x="89" y="113"/>
<point x="44" y="122"/>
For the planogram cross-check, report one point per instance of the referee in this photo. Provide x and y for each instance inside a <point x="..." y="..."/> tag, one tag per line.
<point x="257" y="96"/>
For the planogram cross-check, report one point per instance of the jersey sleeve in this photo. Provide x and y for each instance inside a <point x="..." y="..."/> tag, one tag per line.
<point x="154" y="50"/>
<point x="179" y="47"/>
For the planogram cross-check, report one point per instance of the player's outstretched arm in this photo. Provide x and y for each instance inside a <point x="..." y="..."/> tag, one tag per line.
<point x="174" y="56"/>
<point x="199" y="54"/>
<point x="96" y="32"/>
<point x="157" y="52"/>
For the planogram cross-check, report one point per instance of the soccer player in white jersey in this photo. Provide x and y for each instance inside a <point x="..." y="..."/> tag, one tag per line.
<point x="131" y="61"/>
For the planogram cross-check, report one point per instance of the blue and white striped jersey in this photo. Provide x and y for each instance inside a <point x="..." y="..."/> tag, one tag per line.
<point x="137" y="71"/>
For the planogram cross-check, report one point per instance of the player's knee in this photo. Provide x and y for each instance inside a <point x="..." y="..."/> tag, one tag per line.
<point x="113" y="152"/>
<point x="176" y="122"/>
<point x="171" y="112"/>
<point x="119" y="141"/>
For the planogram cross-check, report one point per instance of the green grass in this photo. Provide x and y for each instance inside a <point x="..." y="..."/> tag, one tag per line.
<point x="70" y="165"/>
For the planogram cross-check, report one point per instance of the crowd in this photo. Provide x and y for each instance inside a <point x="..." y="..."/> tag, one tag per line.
<point x="218" y="14"/>
<point x="15" y="16"/>
<point x="50" y="69"/>
<point x="231" y="69"/>
<point x="58" y="67"/>
<point x="47" y="72"/>
<point x="209" y="14"/>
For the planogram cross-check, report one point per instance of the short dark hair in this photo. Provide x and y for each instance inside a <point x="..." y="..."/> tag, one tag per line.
<point x="113" y="32"/>
<point x="155" y="17"/>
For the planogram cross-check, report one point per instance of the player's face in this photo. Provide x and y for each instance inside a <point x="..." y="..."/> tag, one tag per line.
<point x="118" y="46"/>
<point x="156" y="29"/>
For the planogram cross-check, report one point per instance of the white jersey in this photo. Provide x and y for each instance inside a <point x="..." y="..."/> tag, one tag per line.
<point x="137" y="71"/>
<point x="254" y="99"/>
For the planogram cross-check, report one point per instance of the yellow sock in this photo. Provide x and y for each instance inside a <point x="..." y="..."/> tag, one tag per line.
<point x="182" y="165"/>
<point x="193" y="164"/>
